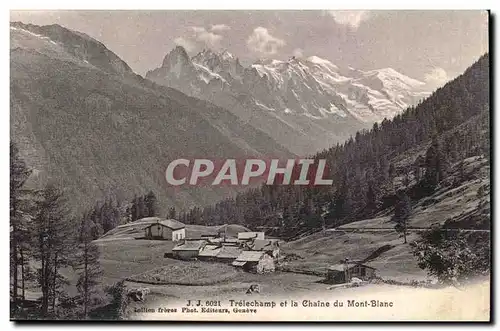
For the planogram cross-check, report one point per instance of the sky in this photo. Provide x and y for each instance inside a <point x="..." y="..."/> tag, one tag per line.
<point x="432" y="46"/>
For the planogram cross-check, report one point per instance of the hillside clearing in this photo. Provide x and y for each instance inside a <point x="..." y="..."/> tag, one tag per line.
<point x="192" y="273"/>
<point x="358" y="240"/>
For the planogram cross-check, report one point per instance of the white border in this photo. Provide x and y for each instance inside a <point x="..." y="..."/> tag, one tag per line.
<point x="257" y="4"/>
<point x="212" y="4"/>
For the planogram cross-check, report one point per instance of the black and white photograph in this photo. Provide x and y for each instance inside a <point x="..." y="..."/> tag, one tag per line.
<point x="250" y="165"/>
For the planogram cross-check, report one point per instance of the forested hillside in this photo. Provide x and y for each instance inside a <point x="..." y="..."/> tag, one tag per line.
<point x="83" y="120"/>
<point x="451" y="125"/>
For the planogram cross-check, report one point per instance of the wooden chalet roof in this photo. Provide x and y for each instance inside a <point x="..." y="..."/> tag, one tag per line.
<point x="250" y="256"/>
<point x="210" y="250"/>
<point x="341" y="266"/>
<point x="227" y="252"/>
<point x="248" y="235"/>
<point x="262" y="245"/>
<point x="169" y="223"/>
<point x="190" y="245"/>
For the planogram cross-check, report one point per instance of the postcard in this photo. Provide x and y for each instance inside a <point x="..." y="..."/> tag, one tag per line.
<point x="250" y="165"/>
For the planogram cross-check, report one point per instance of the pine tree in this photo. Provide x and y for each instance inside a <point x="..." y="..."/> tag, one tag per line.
<point x="128" y="214"/>
<point x="436" y="166"/>
<point x="96" y="230"/>
<point x="117" y="215"/>
<point x="461" y="171"/>
<point x="118" y="300"/>
<point x="289" y="222"/>
<point x="402" y="211"/>
<point x="371" y="198"/>
<point x="87" y="263"/>
<point x="104" y="216"/>
<point x="150" y="204"/>
<point x="134" y="213"/>
<point x="19" y="173"/>
<point x="342" y="202"/>
<point x="172" y="213"/>
<point x="141" y="208"/>
<point x="56" y="239"/>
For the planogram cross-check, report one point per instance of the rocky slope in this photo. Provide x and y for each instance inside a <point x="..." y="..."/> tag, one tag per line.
<point x="83" y="119"/>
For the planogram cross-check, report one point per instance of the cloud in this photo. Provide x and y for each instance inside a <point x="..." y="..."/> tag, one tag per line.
<point x="186" y="43"/>
<point x="298" y="52"/>
<point x="261" y="41"/>
<point x="220" y="27"/>
<point x="198" y="37"/>
<point x="209" y="39"/>
<point x="352" y="18"/>
<point x="437" y="77"/>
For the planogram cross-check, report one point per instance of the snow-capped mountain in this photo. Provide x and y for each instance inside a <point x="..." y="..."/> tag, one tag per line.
<point x="304" y="103"/>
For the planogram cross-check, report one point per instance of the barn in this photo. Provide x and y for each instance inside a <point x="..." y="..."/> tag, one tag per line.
<point x="255" y="261"/>
<point x="164" y="229"/>
<point x="338" y="273"/>
<point x="188" y="249"/>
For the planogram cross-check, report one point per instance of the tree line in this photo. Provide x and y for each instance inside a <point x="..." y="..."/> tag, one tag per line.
<point x="46" y="242"/>
<point x="108" y="214"/>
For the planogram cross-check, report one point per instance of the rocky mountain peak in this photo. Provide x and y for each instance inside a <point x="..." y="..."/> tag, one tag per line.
<point x="176" y="56"/>
<point x="222" y="63"/>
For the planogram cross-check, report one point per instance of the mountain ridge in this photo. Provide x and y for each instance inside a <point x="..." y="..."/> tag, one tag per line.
<point x="99" y="131"/>
<point x="336" y="102"/>
<point x="77" y="44"/>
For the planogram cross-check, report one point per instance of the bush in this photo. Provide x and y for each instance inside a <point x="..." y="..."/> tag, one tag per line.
<point x="453" y="257"/>
<point x="119" y="301"/>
